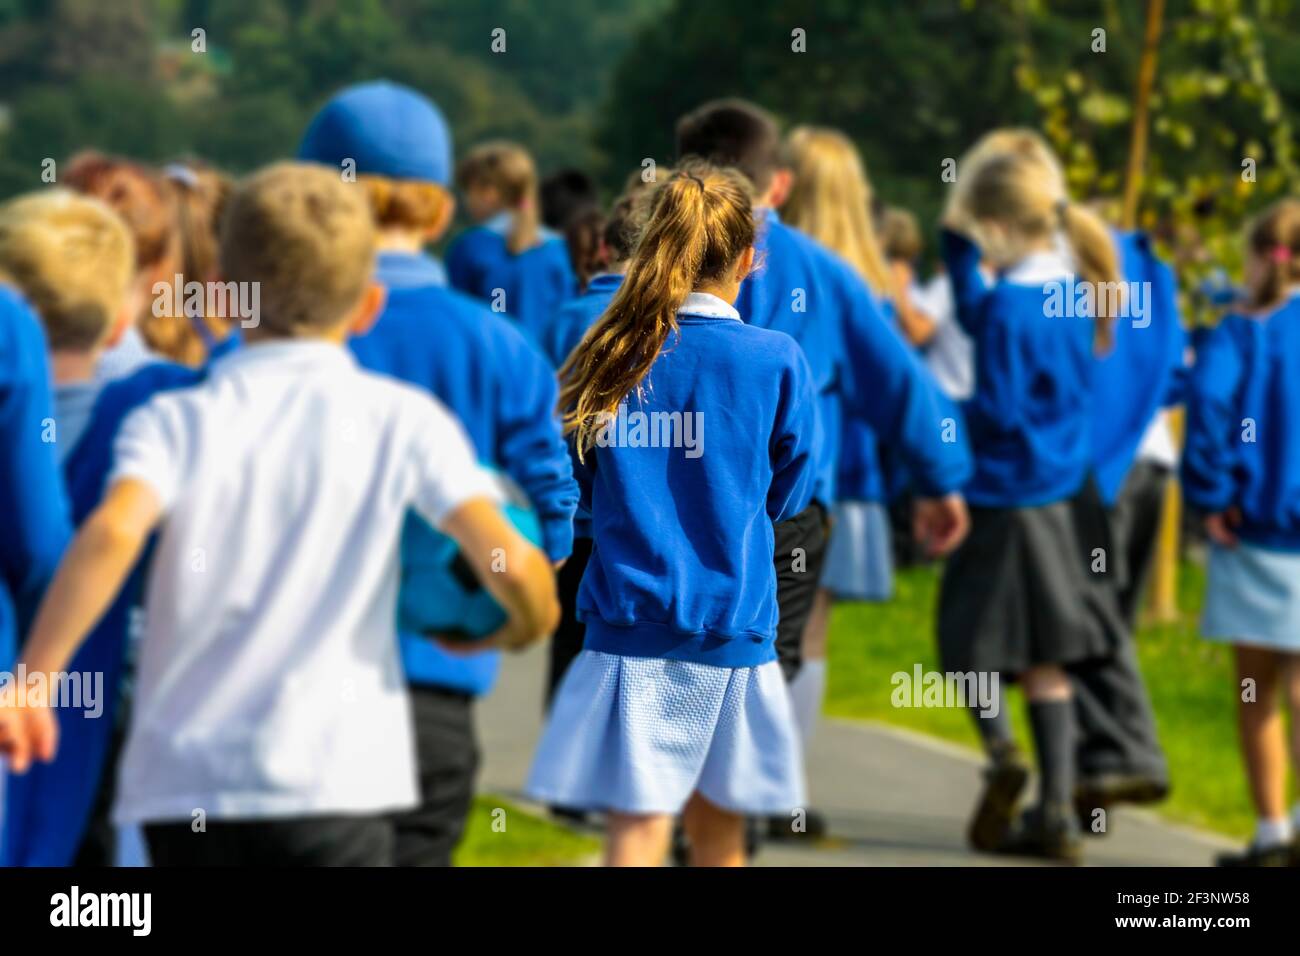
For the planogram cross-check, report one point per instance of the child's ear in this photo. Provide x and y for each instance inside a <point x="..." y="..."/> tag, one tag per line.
<point x="746" y="264"/>
<point x="120" y="323"/>
<point x="367" y="309"/>
<point x="779" y="191"/>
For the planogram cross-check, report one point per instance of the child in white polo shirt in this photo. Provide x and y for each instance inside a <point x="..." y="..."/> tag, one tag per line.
<point x="271" y="723"/>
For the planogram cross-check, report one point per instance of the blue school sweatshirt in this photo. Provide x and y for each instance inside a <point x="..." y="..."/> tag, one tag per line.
<point x="565" y="329"/>
<point x="36" y="521"/>
<point x="1030" y="416"/>
<point x="1143" y="372"/>
<point x="48" y="808"/>
<point x="1243" y="426"/>
<point x="532" y="284"/>
<point x="504" y="393"/>
<point x="681" y="561"/>
<point x="861" y="367"/>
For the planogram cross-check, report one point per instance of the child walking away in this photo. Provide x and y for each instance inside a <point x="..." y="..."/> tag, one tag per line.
<point x="1017" y="596"/>
<point x="518" y="265"/>
<point x="482" y="368"/>
<point x="1241" y="466"/>
<point x="268" y="702"/>
<point x="563" y="333"/>
<point x="696" y="432"/>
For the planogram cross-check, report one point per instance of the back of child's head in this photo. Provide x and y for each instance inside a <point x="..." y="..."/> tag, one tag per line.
<point x="566" y="193"/>
<point x="900" y="235"/>
<point x="583" y="237"/>
<point x="1018" y="141"/>
<point x="831" y="201"/>
<point x="1273" y="247"/>
<point x="699" y="224"/>
<point x="1022" y="195"/>
<point x="200" y="195"/>
<point x="626" y="220"/>
<point x="509" y="170"/>
<point x="735" y="133"/>
<point x="307" y="238"/>
<point x="73" y="259"/>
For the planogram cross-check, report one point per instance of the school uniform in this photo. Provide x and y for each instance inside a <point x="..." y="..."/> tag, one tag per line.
<point x="862" y="370"/>
<point x="1243" y="451"/>
<point x="1133" y="457"/>
<point x="503" y="391"/>
<point x="1019" y="591"/>
<point x="528" y="286"/>
<point x="285" y="453"/>
<point x="677" y="688"/>
<point x="60" y="810"/>
<point x="560" y="337"/>
<point x="37" y="524"/>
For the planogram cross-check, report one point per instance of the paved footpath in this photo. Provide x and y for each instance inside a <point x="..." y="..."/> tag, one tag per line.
<point x="892" y="797"/>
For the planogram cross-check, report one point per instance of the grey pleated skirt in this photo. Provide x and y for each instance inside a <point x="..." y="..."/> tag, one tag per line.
<point x="1031" y="586"/>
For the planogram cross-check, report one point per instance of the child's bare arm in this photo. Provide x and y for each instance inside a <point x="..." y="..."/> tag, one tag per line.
<point x="91" y="573"/>
<point x="89" y="577"/>
<point x="514" y="572"/>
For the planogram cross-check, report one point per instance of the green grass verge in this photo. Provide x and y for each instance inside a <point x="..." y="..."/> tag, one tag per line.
<point x="1190" y="680"/>
<point x="500" y="833"/>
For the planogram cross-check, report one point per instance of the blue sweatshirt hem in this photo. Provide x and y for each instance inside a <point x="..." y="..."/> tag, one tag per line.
<point x="663" y="641"/>
<point x="1271" y="538"/>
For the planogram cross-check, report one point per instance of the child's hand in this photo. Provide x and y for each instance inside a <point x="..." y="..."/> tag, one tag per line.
<point x="27" y="731"/>
<point x="1220" y="527"/>
<point x="940" y="524"/>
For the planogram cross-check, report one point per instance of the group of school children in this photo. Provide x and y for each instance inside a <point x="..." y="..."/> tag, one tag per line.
<point x="218" y="513"/>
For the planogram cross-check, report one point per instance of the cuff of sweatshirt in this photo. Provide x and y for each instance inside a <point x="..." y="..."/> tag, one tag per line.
<point x="941" y="482"/>
<point x="557" y="536"/>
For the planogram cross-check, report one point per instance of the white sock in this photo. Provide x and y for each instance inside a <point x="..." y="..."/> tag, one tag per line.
<point x="807" y="691"/>
<point x="1270" y="833"/>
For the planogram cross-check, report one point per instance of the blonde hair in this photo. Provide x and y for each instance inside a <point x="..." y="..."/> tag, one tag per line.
<point x="700" y="223"/>
<point x="831" y="201"/>
<point x="73" y="258"/>
<point x="509" y="169"/>
<point x="1273" y="240"/>
<point x="307" y="238"/>
<point x="900" y="235"/>
<point x="1015" y="141"/>
<point x="1022" y="194"/>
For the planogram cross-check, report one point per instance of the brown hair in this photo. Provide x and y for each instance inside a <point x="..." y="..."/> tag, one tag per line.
<point x="583" y="236"/>
<point x="700" y="223"/>
<point x="138" y="194"/>
<point x="732" y="132"/>
<point x="831" y="201"/>
<point x="405" y="203"/>
<point x="307" y="238"/>
<point x="900" y="234"/>
<point x="1023" y="195"/>
<point x="1273" y="240"/>
<point x="73" y="259"/>
<point x="509" y="169"/>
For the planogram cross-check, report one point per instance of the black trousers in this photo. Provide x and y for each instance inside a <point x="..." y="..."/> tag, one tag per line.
<point x="799" y="555"/>
<point x="300" y="841"/>
<point x="1117" y="731"/>
<point x="448" y="759"/>
<point x="567" y="642"/>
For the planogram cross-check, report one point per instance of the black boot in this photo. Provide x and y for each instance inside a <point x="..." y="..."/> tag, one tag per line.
<point x="1004" y="782"/>
<point x="1047" y="833"/>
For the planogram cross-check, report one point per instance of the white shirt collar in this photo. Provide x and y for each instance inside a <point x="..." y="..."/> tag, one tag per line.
<point x="280" y="351"/>
<point x="1039" y="267"/>
<point x="708" y="305"/>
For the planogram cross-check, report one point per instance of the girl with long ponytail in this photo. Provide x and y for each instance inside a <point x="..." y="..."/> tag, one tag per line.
<point x="509" y="258"/>
<point x="694" y="433"/>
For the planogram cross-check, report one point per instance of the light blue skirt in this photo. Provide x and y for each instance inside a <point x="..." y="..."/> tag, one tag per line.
<point x="860" y="562"/>
<point x="641" y="734"/>
<point x="1253" y="597"/>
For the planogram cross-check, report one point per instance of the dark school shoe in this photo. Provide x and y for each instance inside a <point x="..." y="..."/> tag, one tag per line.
<point x="1004" y="781"/>
<point x="1284" y="854"/>
<point x="1045" y="835"/>
<point x="784" y="826"/>
<point x="1107" y="790"/>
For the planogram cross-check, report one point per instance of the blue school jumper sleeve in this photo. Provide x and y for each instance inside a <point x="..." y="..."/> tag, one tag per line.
<point x="565" y="329"/>
<point x="1212" y="454"/>
<point x="1143" y="371"/>
<point x="479" y="365"/>
<point x="36" y="519"/>
<point x="48" y="808"/>
<point x="887" y="386"/>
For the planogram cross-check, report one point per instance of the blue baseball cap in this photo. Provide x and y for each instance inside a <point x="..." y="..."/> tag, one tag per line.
<point x="387" y="129"/>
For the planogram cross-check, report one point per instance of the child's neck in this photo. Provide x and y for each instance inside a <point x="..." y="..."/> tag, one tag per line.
<point x="400" y="240"/>
<point x="73" y="368"/>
